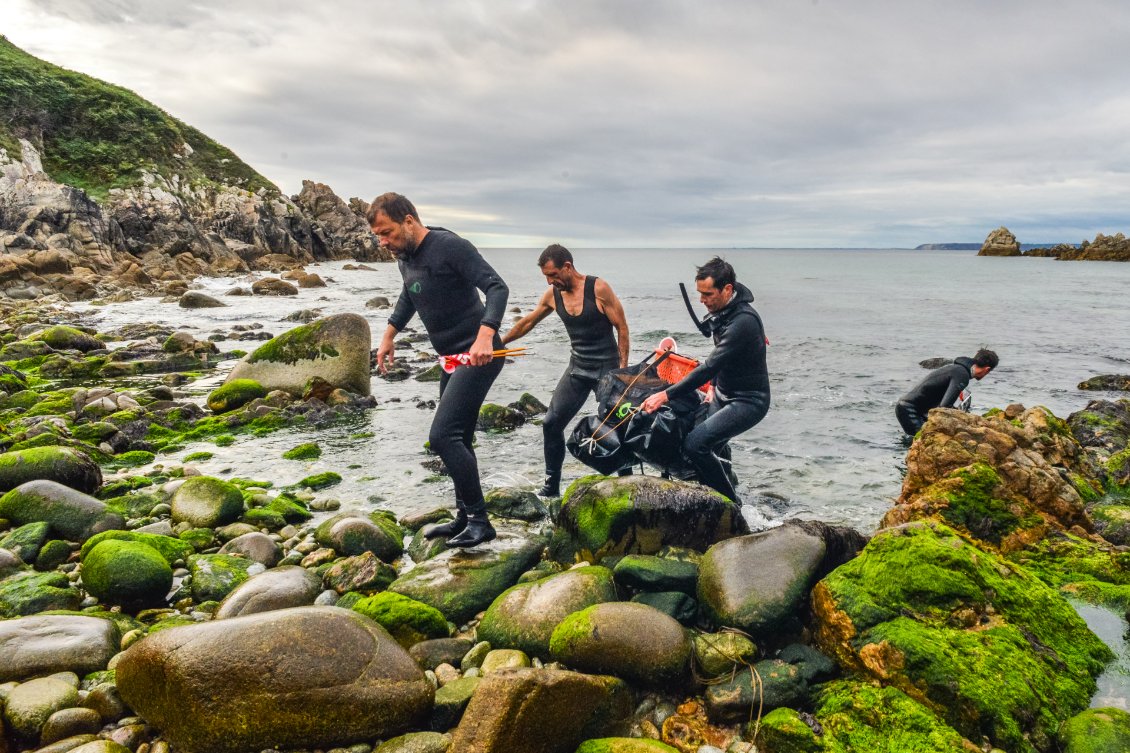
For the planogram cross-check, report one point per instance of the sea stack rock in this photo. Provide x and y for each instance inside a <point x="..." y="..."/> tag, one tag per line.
<point x="1000" y="242"/>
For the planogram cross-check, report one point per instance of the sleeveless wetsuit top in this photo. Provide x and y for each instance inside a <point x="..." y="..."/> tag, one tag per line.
<point x="590" y="332"/>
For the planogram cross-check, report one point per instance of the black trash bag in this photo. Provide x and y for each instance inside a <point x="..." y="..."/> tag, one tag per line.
<point x="657" y="438"/>
<point x="622" y="391"/>
<point x="599" y="446"/>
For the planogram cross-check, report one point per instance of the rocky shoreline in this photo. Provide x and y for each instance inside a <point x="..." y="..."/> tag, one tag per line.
<point x="159" y="609"/>
<point x="1001" y="242"/>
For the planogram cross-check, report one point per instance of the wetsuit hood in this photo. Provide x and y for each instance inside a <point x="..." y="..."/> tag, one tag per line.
<point x="966" y="362"/>
<point x="739" y="303"/>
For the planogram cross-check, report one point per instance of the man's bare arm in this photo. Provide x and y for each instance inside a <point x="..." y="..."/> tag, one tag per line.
<point x="608" y="301"/>
<point x="543" y="309"/>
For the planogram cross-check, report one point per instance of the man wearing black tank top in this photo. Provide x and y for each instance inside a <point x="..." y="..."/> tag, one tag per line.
<point x="590" y="311"/>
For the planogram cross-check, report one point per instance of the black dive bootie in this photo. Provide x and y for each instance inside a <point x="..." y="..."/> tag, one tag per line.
<point x="453" y="528"/>
<point x="478" y="530"/>
<point x="552" y="486"/>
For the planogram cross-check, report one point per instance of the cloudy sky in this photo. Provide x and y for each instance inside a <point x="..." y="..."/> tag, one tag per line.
<point x="648" y="122"/>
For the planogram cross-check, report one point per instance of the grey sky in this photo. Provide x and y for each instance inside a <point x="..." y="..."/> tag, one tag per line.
<point x="648" y="122"/>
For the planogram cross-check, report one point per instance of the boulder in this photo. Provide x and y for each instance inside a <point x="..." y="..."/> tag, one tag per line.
<point x="214" y="576"/>
<point x="602" y="516"/>
<point x="273" y="286"/>
<point x="416" y="742"/>
<point x="519" y="504"/>
<point x="206" y="502"/>
<point x="255" y="546"/>
<point x="126" y="573"/>
<point x="451" y="701"/>
<point x="431" y="653"/>
<point x="1103" y="424"/>
<point x="461" y="583"/>
<point x="335" y="348"/>
<point x="1096" y="731"/>
<point x="280" y="588"/>
<point x="778" y="684"/>
<point x="71" y="514"/>
<point x="540" y="711"/>
<point x="1000" y="242"/>
<point x="194" y="299"/>
<point x="407" y="620"/>
<point x="364" y="573"/>
<point x="350" y="534"/>
<point x="628" y="640"/>
<point x="646" y="572"/>
<point x="674" y="604"/>
<point x="172" y="549"/>
<point x="717" y="654"/>
<point x="759" y="583"/>
<point x="70" y="722"/>
<point x="1108" y="382"/>
<point x="29" y="704"/>
<point x="45" y="644"/>
<point x="524" y="616"/>
<point x="921" y="606"/>
<point x="499" y="418"/>
<point x="28" y="593"/>
<point x="234" y="393"/>
<point x="26" y="541"/>
<point x="64" y="465"/>
<point x="309" y="677"/>
<point x="61" y="337"/>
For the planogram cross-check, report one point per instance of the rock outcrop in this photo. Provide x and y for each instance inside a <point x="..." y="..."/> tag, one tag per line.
<point x="1000" y="242"/>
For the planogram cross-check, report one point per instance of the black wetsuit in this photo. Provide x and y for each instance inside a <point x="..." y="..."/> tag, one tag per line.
<point x="741" y="387"/>
<point x="441" y="283"/>
<point x="592" y="353"/>
<point x="939" y="389"/>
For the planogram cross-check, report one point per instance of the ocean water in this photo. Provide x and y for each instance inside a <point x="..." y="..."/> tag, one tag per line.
<point x="847" y="329"/>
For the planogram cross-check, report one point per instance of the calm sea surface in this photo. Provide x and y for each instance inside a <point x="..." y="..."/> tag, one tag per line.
<point x="847" y="330"/>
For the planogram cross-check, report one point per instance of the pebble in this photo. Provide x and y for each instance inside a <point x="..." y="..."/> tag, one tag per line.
<point x="446" y="673"/>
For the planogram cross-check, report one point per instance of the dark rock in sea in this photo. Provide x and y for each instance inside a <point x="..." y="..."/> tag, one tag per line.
<point x="1111" y="382"/>
<point x="935" y="363"/>
<point x="273" y="286"/>
<point x="197" y="300"/>
<point x="358" y="685"/>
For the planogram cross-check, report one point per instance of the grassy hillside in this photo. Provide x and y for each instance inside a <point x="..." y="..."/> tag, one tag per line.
<point x="98" y="136"/>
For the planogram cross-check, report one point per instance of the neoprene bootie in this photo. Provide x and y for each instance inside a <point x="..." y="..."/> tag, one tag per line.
<point x="552" y="486"/>
<point x="478" y="531"/>
<point x="449" y="529"/>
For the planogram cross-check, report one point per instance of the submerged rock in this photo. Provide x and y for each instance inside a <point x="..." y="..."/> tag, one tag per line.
<point x="335" y="348"/>
<point x="200" y="684"/>
<point x="985" y="644"/>
<point x="602" y="516"/>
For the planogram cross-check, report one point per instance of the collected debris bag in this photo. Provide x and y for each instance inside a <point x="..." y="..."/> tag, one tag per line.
<point x="599" y="447"/>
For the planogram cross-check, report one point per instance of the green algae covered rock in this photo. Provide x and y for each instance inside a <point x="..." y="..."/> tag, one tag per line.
<point x="856" y="716"/>
<point x="646" y="572"/>
<point x="602" y="516"/>
<point x="350" y="534"/>
<point x="1112" y="522"/>
<point x="61" y="337"/>
<point x="305" y="451"/>
<point x="524" y="616"/>
<point x="335" y="678"/>
<point x="406" y="620"/>
<point x="335" y="348"/>
<point x="26" y="541"/>
<point x="1085" y="569"/>
<point x="1096" y="731"/>
<point x="30" y="593"/>
<point x="417" y="742"/>
<point x="322" y="480"/>
<point x="233" y="394"/>
<point x="206" y="502"/>
<point x="71" y="514"/>
<point x="171" y="549"/>
<point x="632" y="641"/>
<point x="460" y="584"/>
<point x="499" y="418"/>
<point x="30" y="703"/>
<point x="126" y="573"/>
<point x="64" y="465"/>
<point x="214" y="576"/>
<point x="625" y="745"/>
<point x="981" y="642"/>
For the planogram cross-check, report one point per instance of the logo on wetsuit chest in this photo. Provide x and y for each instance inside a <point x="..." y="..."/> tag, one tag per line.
<point x="415" y="287"/>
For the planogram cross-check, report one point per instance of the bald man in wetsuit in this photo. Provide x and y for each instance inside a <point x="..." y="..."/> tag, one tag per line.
<point x="443" y="275"/>
<point x="940" y="389"/>
<point x="590" y="312"/>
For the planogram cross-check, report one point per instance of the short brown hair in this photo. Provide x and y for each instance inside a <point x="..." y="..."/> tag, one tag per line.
<point x="396" y="206"/>
<point x="555" y="253"/>
<point x="984" y="358"/>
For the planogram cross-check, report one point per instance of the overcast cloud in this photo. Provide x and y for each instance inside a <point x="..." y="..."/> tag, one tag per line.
<point x="648" y="122"/>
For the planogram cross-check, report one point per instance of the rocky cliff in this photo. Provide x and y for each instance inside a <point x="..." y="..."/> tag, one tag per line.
<point x="100" y="189"/>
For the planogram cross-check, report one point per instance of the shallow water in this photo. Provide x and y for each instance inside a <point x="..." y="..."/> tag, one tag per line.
<point x="847" y="329"/>
<point x="1114" y="682"/>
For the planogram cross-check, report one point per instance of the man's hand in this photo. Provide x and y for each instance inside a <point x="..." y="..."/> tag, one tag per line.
<point x="655" y="402"/>
<point x="385" y="354"/>
<point x="483" y="350"/>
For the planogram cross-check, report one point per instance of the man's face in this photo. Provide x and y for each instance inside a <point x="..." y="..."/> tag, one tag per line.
<point x="713" y="298"/>
<point x="980" y="372"/>
<point x="399" y="238"/>
<point x="559" y="277"/>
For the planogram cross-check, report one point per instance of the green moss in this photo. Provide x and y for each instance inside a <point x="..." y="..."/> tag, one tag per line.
<point x="320" y="480"/>
<point x="171" y="549"/>
<point x="235" y="394"/>
<point x="224" y="440"/>
<point x="298" y="344"/>
<point x="126" y="572"/>
<point x="131" y="459"/>
<point x="199" y="538"/>
<point x="1104" y="730"/>
<point x="214" y="576"/>
<point x="572" y="631"/>
<point x="783" y="731"/>
<point x="195" y="457"/>
<point x="31" y="593"/>
<point x="98" y="136"/>
<point x="135" y="504"/>
<point x="1117" y="469"/>
<point x="625" y="745"/>
<point x="407" y="620"/>
<point x="1082" y="568"/>
<point x="305" y="451"/>
<point x="120" y="487"/>
<point x="20" y="399"/>
<point x="973" y="507"/>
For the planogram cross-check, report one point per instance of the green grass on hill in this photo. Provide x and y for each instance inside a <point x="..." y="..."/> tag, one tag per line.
<point x="98" y="136"/>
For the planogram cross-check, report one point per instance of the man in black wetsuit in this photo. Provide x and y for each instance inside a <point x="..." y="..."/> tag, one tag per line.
<point x="737" y="366"/>
<point x="592" y="349"/>
<point x="443" y="275"/>
<point x="941" y="387"/>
